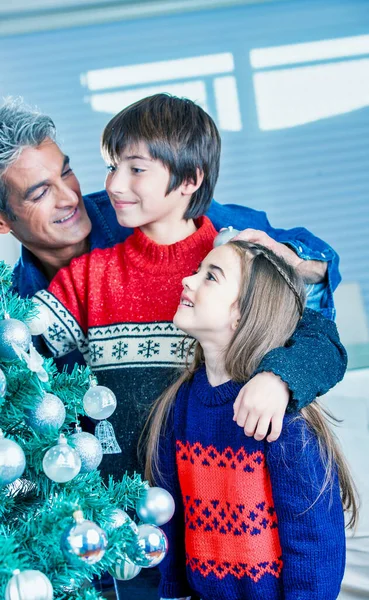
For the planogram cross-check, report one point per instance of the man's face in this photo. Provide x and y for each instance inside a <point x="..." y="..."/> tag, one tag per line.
<point x="45" y="199"/>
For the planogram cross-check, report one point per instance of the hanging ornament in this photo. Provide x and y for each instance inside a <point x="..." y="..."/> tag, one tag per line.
<point x="29" y="585"/>
<point x="34" y="361"/>
<point x="48" y="413"/>
<point x="61" y="463"/>
<point x="119" y="517"/>
<point x="88" y="448"/>
<point x="99" y="402"/>
<point x="2" y="384"/>
<point x="85" y="539"/>
<point x="104" y="432"/>
<point x="156" y="506"/>
<point x="124" y="569"/>
<point x="40" y="322"/>
<point x="154" y="544"/>
<point x="13" y="332"/>
<point x="225" y="236"/>
<point x="12" y="460"/>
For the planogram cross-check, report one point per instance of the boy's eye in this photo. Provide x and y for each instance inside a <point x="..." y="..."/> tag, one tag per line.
<point x="111" y="168"/>
<point x="137" y="170"/>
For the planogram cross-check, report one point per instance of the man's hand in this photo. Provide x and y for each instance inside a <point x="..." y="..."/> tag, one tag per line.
<point x="261" y="403"/>
<point x="312" y="271"/>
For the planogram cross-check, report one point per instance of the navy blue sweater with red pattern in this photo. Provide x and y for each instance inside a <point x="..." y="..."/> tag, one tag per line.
<point x="249" y="522"/>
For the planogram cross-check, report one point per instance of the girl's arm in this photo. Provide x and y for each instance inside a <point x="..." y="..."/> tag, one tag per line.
<point x="310" y="522"/>
<point x="173" y="582"/>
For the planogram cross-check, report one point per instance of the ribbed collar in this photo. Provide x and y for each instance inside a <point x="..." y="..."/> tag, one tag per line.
<point x="214" y="396"/>
<point x="149" y="255"/>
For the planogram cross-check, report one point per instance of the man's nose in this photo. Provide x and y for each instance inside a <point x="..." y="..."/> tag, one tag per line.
<point x="66" y="196"/>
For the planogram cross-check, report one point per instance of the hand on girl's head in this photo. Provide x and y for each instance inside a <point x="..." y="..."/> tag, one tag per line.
<point x="261" y="405"/>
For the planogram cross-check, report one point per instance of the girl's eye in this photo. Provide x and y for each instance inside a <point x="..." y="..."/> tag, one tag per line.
<point x="111" y="168"/>
<point x="210" y="276"/>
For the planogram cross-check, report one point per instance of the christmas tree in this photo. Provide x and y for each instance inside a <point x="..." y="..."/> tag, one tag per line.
<point x="60" y="524"/>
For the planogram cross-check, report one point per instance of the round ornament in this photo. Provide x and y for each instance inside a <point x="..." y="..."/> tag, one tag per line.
<point x="99" y="402"/>
<point x="12" y="460"/>
<point x="125" y="569"/>
<point x="40" y="322"/>
<point x="225" y="236"/>
<point x="85" y="539"/>
<point x="88" y="448"/>
<point x="156" y="506"/>
<point x="13" y="331"/>
<point x="154" y="543"/>
<point x="48" y="413"/>
<point x="61" y="463"/>
<point x="119" y="517"/>
<point x="29" y="585"/>
<point x="2" y="384"/>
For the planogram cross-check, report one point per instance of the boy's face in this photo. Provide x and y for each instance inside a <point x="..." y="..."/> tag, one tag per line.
<point x="137" y="190"/>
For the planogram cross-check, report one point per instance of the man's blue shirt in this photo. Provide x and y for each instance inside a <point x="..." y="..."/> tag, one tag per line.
<point x="29" y="278"/>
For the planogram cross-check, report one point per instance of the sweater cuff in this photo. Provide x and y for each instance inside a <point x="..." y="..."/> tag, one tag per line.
<point x="174" y="589"/>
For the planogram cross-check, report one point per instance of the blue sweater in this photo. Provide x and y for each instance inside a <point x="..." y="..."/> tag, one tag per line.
<point x="249" y="522"/>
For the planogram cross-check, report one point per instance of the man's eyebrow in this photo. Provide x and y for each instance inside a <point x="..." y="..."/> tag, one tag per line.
<point x="216" y="268"/>
<point x="29" y="191"/>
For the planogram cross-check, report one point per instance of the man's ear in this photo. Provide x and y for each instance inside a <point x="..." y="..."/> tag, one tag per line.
<point x="190" y="186"/>
<point x="4" y="223"/>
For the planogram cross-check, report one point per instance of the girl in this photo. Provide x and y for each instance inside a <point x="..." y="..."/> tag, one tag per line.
<point x="253" y="520"/>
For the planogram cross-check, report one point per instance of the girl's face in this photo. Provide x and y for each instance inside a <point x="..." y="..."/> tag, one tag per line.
<point x="208" y="308"/>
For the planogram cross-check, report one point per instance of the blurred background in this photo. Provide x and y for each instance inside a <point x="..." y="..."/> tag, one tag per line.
<point x="287" y="83"/>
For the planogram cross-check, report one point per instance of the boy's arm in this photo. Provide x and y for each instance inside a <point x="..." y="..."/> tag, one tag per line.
<point x="66" y="300"/>
<point x="311" y="363"/>
<point x="310" y="521"/>
<point x="173" y="582"/>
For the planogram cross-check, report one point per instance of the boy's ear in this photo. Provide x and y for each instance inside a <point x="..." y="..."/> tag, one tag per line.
<point x="4" y="223"/>
<point x="190" y="186"/>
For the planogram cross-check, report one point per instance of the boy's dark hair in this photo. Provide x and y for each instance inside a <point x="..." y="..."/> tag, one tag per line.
<point x="177" y="132"/>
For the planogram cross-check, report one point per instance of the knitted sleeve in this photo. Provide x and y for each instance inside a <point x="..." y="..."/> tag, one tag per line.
<point x="66" y="300"/>
<point x="173" y="582"/>
<point x="311" y="362"/>
<point x="310" y="521"/>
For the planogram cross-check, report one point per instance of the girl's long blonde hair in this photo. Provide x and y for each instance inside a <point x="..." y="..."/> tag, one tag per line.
<point x="271" y="302"/>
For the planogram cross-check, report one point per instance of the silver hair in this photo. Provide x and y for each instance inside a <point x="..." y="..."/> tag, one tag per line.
<point x="20" y="127"/>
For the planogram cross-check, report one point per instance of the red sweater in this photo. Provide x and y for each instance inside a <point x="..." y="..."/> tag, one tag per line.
<point x="116" y="306"/>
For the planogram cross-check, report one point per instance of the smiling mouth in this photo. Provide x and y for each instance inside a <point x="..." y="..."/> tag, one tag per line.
<point x="67" y="218"/>
<point x="186" y="302"/>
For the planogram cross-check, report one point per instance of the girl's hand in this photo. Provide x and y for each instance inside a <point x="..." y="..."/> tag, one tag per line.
<point x="261" y="404"/>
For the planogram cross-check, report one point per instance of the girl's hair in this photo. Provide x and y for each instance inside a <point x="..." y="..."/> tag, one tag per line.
<point x="271" y="302"/>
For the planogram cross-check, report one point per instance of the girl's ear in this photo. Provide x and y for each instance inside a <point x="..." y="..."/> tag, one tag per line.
<point x="235" y="316"/>
<point x="190" y="186"/>
<point x="4" y="223"/>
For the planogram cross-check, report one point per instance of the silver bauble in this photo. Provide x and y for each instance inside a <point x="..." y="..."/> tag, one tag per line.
<point x="29" y="585"/>
<point x="225" y="236"/>
<point x="85" y="539"/>
<point x="40" y="322"/>
<point x="119" y="517"/>
<point x="48" y="413"/>
<point x="2" y="384"/>
<point x="88" y="448"/>
<point x="61" y="463"/>
<point x="154" y="543"/>
<point x="124" y="569"/>
<point x="13" y="331"/>
<point x="99" y="402"/>
<point x="12" y="460"/>
<point x="156" y="506"/>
